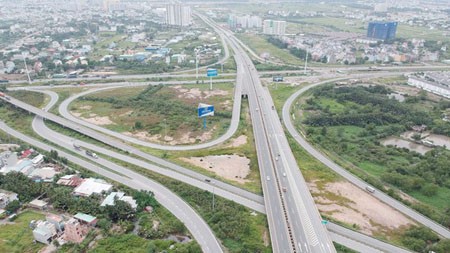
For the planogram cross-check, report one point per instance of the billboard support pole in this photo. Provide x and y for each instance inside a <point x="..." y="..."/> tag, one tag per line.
<point x="210" y="83"/>
<point x="204" y="122"/>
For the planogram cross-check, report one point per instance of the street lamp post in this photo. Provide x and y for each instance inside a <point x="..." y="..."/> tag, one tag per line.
<point x="165" y="129"/>
<point x="213" y="203"/>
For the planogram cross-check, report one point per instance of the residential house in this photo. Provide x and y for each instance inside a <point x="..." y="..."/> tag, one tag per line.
<point x="70" y="180"/>
<point x="110" y="199"/>
<point x="44" y="232"/>
<point x="7" y="197"/>
<point x="74" y="231"/>
<point x="86" y="219"/>
<point x="38" y="204"/>
<point x="91" y="186"/>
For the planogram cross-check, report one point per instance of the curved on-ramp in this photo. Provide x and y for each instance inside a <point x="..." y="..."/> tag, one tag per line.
<point x="234" y="123"/>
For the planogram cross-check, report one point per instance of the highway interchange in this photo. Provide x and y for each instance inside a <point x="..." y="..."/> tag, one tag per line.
<point x="274" y="157"/>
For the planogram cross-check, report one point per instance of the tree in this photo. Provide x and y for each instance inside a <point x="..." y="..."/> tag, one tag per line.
<point x="121" y="210"/>
<point x="104" y="224"/>
<point x="429" y="190"/>
<point x="145" y="198"/>
<point x="13" y="206"/>
<point x="138" y="125"/>
<point x="417" y="137"/>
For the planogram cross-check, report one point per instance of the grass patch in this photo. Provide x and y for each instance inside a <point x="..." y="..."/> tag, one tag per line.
<point x="260" y="45"/>
<point x="18" y="237"/>
<point x="129" y="243"/>
<point x="160" y="110"/>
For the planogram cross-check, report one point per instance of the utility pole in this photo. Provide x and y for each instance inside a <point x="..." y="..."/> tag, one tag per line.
<point x="196" y="65"/>
<point x="306" y="60"/>
<point x="26" y="68"/>
<point x="213" y="203"/>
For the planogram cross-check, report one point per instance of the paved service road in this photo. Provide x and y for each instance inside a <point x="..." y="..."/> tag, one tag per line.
<point x="194" y="223"/>
<point x="344" y="173"/>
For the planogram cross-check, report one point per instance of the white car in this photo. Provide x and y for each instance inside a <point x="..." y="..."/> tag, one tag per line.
<point x="268" y="178"/>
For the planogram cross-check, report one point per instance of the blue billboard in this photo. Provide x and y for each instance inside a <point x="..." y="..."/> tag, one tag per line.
<point x="205" y="110"/>
<point x="211" y="72"/>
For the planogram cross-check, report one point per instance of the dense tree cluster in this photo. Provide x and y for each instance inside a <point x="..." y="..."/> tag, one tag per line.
<point x="371" y="105"/>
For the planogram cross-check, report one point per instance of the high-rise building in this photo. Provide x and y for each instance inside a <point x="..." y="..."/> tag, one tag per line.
<point x="274" y="27"/>
<point x="244" y="21"/>
<point x="178" y="15"/>
<point x="382" y="30"/>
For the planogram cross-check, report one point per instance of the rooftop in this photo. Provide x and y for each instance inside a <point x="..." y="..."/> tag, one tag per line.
<point x="92" y="185"/>
<point x="85" y="217"/>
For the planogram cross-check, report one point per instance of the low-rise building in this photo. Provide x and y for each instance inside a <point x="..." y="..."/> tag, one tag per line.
<point x="70" y="180"/>
<point x="38" y="204"/>
<point x="44" y="232"/>
<point x="86" y="219"/>
<point x="75" y="231"/>
<point x="91" y="186"/>
<point x="45" y="174"/>
<point x="7" y="197"/>
<point x="430" y="86"/>
<point x="56" y="220"/>
<point x="110" y="199"/>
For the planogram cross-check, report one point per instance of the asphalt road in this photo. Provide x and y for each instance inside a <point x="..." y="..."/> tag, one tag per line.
<point x="220" y="188"/>
<point x="294" y="221"/>
<point x="299" y="137"/>
<point x="194" y="223"/>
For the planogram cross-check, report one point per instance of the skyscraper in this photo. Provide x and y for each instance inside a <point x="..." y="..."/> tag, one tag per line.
<point x="274" y="27"/>
<point x="178" y="15"/>
<point x="382" y="30"/>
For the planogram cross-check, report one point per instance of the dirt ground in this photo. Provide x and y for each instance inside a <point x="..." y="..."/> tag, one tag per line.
<point x="196" y="93"/>
<point x="231" y="167"/>
<point x="4" y="147"/>
<point x="94" y="119"/>
<point x="348" y="203"/>
<point x="237" y="142"/>
<point x="186" y="138"/>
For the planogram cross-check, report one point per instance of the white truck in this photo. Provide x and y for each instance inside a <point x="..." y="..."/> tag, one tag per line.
<point x="91" y="154"/>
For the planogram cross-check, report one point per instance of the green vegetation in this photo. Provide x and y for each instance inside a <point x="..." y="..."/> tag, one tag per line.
<point x="32" y="98"/>
<point x="342" y="249"/>
<point x="129" y="243"/>
<point x="158" y="109"/>
<point x="349" y="123"/>
<point x="18" y="237"/>
<point x="260" y="45"/>
<point x="247" y="232"/>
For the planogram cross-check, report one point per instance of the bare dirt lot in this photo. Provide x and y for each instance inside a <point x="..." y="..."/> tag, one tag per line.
<point x="94" y="119"/>
<point x="196" y="93"/>
<point x="237" y="142"/>
<point x="347" y="203"/>
<point x="231" y="167"/>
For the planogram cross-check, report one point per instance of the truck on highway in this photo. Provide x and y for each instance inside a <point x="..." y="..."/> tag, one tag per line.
<point x="370" y="189"/>
<point x="77" y="147"/>
<point x="91" y="154"/>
